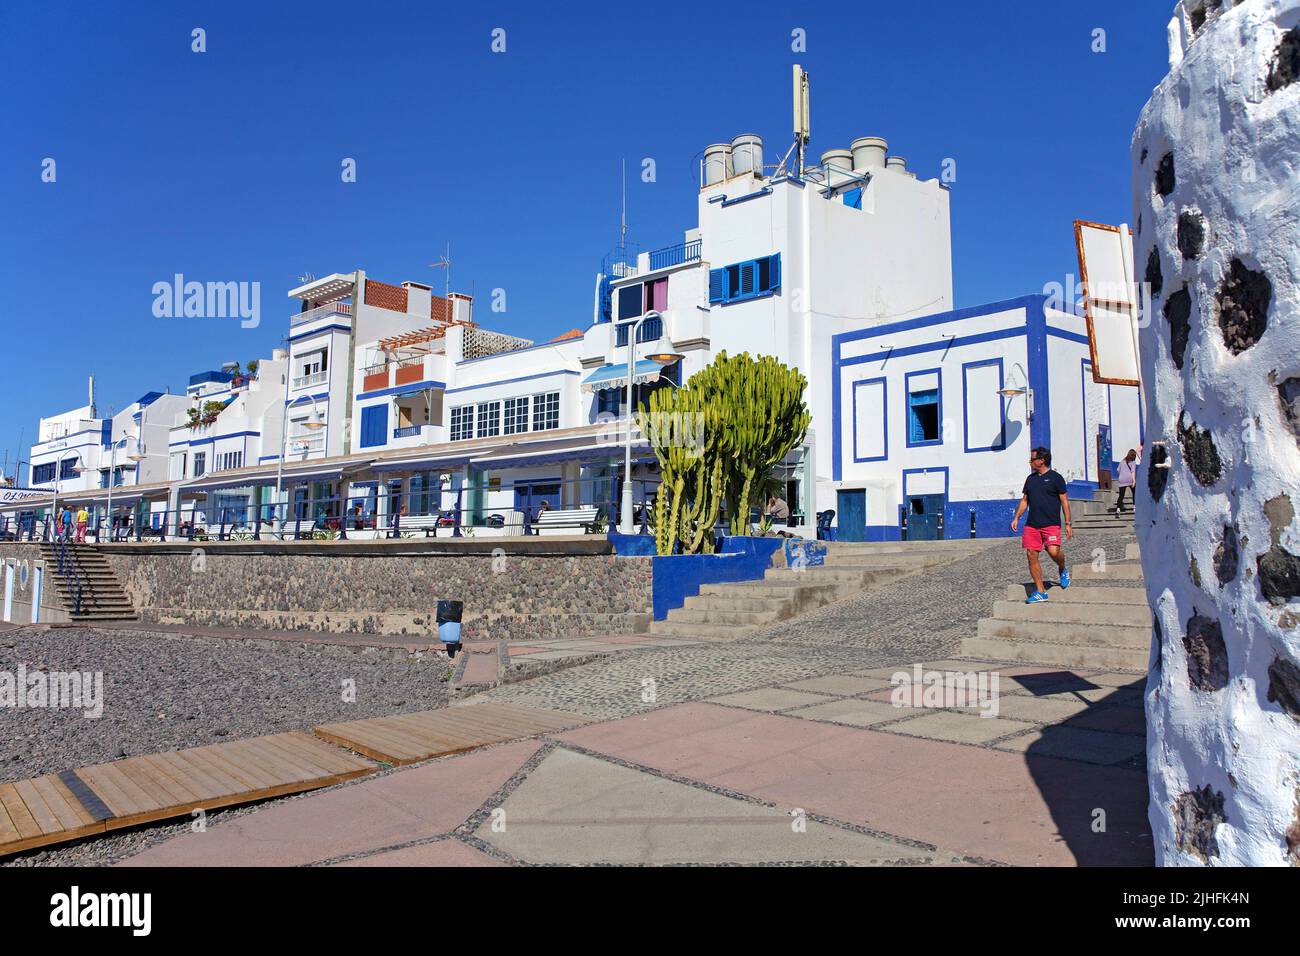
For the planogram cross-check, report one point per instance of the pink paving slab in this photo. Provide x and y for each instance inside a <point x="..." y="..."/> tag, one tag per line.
<point x="381" y="812"/>
<point x="1020" y="809"/>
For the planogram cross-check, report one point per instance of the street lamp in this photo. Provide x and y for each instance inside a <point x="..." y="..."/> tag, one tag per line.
<point x="1011" y="391"/>
<point x="112" y="469"/>
<point x="313" y="423"/>
<point x="78" y="468"/>
<point x="625" y="525"/>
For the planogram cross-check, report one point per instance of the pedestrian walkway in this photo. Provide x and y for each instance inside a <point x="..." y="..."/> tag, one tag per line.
<point x="825" y="770"/>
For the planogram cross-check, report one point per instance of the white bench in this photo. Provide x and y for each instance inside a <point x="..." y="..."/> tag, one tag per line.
<point x="410" y="524"/>
<point x="561" y="520"/>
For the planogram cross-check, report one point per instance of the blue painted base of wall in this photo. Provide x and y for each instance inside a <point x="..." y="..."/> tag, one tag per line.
<point x="679" y="576"/>
<point x="992" y="520"/>
<point x="633" y="545"/>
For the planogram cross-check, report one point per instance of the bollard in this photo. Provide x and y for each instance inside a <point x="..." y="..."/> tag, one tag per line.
<point x="449" y="614"/>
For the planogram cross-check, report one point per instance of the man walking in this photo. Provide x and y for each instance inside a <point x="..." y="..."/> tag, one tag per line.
<point x="1044" y="495"/>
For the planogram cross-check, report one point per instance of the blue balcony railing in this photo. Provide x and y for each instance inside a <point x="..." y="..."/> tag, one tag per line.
<point x="675" y="255"/>
<point x="651" y="331"/>
<point x="409" y="432"/>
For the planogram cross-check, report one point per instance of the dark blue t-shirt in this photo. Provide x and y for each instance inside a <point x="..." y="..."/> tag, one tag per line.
<point x="1044" y="493"/>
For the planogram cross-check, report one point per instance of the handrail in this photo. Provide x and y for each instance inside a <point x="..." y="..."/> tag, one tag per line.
<point x="329" y="308"/>
<point x="67" y="562"/>
<point x="675" y="255"/>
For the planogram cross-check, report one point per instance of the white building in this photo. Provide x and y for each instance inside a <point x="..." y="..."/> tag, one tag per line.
<point x="395" y="398"/>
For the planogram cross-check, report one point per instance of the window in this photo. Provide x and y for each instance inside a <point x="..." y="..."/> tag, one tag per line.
<point x="200" y="464"/>
<point x="745" y="280"/>
<point x="177" y="469"/>
<point x="374" y="426"/>
<point x="924" y="408"/>
<point x="489" y="419"/>
<point x="546" y="411"/>
<point x="462" y="422"/>
<point x="313" y="362"/>
<point x="630" y="301"/>
<point x="853" y="197"/>
<point x="516" y="415"/>
<point x="67" y="469"/>
<point x="43" y="474"/>
<point x="230" y="459"/>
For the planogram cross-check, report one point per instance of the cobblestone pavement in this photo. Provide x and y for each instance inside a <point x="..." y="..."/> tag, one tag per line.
<point x="918" y="618"/>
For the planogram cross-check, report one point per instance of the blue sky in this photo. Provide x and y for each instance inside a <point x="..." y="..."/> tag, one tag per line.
<point x="225" y="165"/>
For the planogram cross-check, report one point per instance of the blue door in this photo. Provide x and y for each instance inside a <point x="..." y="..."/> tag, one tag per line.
<point x="852" y="515"/>
<point x="923" y="513"/>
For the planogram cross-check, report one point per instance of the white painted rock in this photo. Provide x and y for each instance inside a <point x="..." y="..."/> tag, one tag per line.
<point x="1216" y="185"/>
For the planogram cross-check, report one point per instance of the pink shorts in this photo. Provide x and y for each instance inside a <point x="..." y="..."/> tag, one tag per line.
<point x="1034" y="539"/>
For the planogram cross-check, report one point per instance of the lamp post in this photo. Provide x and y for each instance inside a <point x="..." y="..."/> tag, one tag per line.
<point x="313" y="423"/>
<point x="112" y="469"/>
<point x="1011" y="391"/>
<point x="625" y="525"/>
<point x="78" y="468"/>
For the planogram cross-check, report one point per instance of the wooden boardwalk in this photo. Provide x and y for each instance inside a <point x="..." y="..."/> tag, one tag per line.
<point x="409" y="738"/>
<point x="56" y="808"/>
<point x="66" y="806"/>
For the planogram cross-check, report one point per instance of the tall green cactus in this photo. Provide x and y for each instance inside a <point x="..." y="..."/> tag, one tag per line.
<point x="716" y="439"/>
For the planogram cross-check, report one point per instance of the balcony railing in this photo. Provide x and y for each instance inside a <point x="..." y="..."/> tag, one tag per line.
<point x="651" y="331"/>
<point x="374" y="377"/>
<point x="320" y="312"/>
<point x="675" y="255"/>
<point x="307" y="381"/>
<point x="410" y="370"/>
<point x="410" y="431"/>
<point x="307" y="441"/>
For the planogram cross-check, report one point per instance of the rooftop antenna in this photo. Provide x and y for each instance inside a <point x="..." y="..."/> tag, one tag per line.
<point x="622" y="221"/>
<point x="92" y="396"/>
<point x="305" y="278"/>
<point x="802" y="124"/>
<point x="444" y="262"/>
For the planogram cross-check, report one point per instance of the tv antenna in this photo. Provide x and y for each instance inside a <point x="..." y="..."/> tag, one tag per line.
<point x="444" y="262"/>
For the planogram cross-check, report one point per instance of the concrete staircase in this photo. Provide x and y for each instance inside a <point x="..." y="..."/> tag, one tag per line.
<point x="1092" y="513"/>
<point x="723" y="612"/>
<point x="1096" y="622"/>
<point x="102" y="597"/>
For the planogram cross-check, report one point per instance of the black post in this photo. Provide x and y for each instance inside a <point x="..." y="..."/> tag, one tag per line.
<point x="257" y="525"/>
<point x="455" y="520"/>
<point x="297" y="527"/>
<point x="972" y="522"/>
<point x="903" y="526"/>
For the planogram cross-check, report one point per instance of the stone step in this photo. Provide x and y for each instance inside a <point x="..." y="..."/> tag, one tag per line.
<point x="779" y="590"/>
<point x="1103" y="521"/>
<point x="702" y="632"/>
<point x="1092" y="594"/>
<point x="924" y="559"/>
<point x="1115" y="571"/>
<point x="685" y="615"/>
<point x="955" y="547"/>
<point x="835" y="575"/>
<point x="1062" y="655"/>
<point x="1132" y="551"/>
<point x="1049" y="632"/>
<point x="1073" y="612"/>
<point x="730" y="600"/>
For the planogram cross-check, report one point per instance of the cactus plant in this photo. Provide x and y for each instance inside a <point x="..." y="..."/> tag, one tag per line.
<point x="717" y="440"/>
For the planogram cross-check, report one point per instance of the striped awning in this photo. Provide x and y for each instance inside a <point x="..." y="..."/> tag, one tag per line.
<point x="615" y="376"/>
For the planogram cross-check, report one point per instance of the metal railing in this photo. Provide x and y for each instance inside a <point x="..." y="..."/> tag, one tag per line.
<point x="306" y="381"/>
<point x="651" y="331"/>
<point x="409" y="431"/>
<point x="69" y="571"/>
<point x="675" y="255"/>
<point x="320" y="312"/>
<point x="582" y="506"/>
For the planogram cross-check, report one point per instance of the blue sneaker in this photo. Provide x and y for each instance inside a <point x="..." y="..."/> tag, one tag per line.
<point x="1065" y="577"/>
<point x="1038" y="597"/>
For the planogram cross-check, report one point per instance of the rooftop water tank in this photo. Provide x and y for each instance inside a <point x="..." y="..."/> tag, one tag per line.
<point x="747" y="154"/>
<point x="841" y="158"/>
<point x="897" y="163"/>
<point x="717" y="163"/>
<point x="869" y="152"/>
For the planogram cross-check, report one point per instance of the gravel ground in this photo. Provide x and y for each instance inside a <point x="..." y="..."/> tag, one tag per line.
<point x="206" y="687"/>
<point x="169" y="692"/>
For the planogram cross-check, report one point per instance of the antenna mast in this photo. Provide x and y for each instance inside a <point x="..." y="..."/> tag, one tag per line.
<point x="802" y="125"/>
<point x="445" y="263"/>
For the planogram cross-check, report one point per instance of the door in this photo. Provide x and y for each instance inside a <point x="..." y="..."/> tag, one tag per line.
<point x="38" y="572"/>
<point x="923" y="513"/>
<point x="1105" y="456"/>
<point x="851" y="515"/>
<point x="9" y="592"/>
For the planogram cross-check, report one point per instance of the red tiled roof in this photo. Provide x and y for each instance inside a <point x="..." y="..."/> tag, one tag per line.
<point x="571" y="334"/>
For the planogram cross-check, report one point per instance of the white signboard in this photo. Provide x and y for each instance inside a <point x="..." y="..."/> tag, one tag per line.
<point x="13" y="496"/>
<point x="1109" y="301"/>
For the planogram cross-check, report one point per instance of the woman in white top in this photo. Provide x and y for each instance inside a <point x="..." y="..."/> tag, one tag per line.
<point x="1125" y="479"/>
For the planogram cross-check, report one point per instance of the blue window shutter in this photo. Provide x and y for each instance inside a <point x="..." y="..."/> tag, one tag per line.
<point x="374" y="425"/>
<point x="717" y="285"/>
<point x="913" y="423"/>
<point x="853" y="198"/>
<point x="774" y="272"/>
<point x="747" y="273"/>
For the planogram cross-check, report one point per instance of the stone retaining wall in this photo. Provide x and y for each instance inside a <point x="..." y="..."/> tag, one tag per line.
<point x="513" y="592"/>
